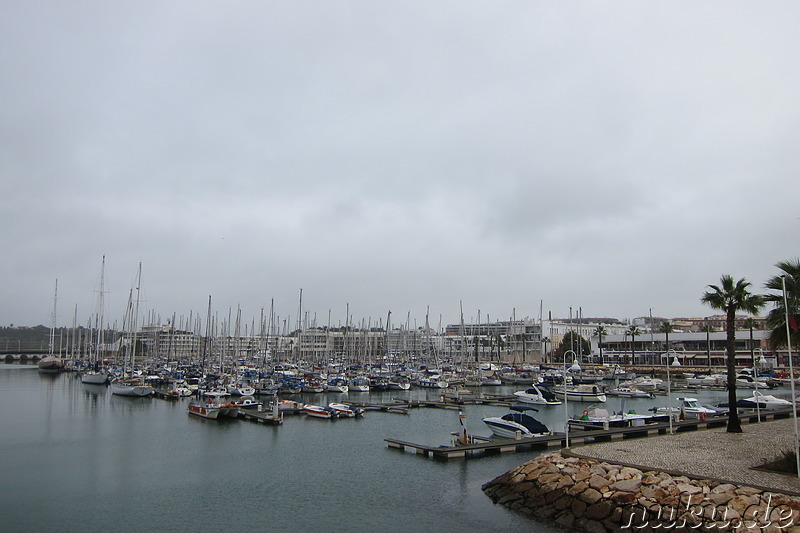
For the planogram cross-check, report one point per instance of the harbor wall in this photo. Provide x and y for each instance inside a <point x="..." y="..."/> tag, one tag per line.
<point x="597" y="497"/>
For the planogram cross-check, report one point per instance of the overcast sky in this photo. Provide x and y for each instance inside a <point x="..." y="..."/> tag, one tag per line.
<point x="615" y="157"/>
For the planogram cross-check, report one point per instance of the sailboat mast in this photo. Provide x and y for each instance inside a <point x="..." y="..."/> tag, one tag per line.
<point x="51" y="345"/>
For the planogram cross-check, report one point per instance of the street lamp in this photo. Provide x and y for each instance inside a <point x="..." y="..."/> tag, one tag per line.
<point x="566" y="410"/>
<point x="669" y="389"/>
<point x="791" y="373"/>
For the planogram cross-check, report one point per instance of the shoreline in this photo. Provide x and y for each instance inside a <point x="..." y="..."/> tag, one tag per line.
<point x="689" y="481"/>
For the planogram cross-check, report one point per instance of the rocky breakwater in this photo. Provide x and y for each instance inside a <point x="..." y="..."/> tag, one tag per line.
<point x="598" y="497"/>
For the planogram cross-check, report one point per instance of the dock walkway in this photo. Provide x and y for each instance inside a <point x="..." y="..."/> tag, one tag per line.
<point x="585" y="437"/>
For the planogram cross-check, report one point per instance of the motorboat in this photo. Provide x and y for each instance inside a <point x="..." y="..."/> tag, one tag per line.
<point x="598" y="418"/>
<point x="644" y="383"/>
<point x="398" y="383"/>
<point x="337" y="385"/>
<point x="346" y="411"/>
<point x="318" y="411"/>
<point x="517" y="424"/>
<point x="359" y="384"/>
<point x="688" y="408"/>
<point x="248" y="402"/>
<point x="707" y="380"/>
<point x="313" y="385"/>
<point x="241" y="389"/>
<point x="761" y="401"/>
<point x="535" y="395"/>
<point x="582" y="393"/>
<point x="432" y="381"/>
<point x="630" y="392"/>
<point x="289" y="405"/>
<point x="209" y="408"/>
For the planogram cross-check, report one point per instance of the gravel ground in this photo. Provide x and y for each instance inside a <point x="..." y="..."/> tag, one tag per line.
<point x="711" y="453"/>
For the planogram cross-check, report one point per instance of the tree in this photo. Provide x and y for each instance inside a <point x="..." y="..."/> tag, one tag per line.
<point x="666" y="329"/>
<point x="633" y="331"/>
<point x="776" y="318"/>
<point x="600" y="333"/>
<point x="730" y="297"/>
<point x="572" y="339"/>
<point x="545" y="342"/>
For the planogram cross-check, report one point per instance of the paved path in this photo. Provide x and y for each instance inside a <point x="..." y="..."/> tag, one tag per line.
<point x="710" y="453"/>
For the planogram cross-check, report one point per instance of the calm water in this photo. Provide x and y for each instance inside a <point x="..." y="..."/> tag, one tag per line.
<point x="74" y="457"/>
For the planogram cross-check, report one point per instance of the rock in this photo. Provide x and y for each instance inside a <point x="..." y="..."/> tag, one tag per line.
<point x="590" y="495"/>
<point x="748" y="491"/>
<point x="598" y="482"/>
<point x="599" y="510"/>
<point x="624" y="497"/>
<point x="565" y="519"/>
<point x="508" y="498"/>
<point x="718" y="498"/>
<point x="627" y="485"/>
<point x="578" y="508"/>
<point x="629" y="472"/>
<point x="723" y="487"/>
<point x="686" y="488"/>
<point x="577" y="488"/>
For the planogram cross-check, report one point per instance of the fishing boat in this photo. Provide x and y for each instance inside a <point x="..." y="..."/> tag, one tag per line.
<point x="535" y="395"/>
<point x="206" y="409"/>
<point x="517" y="424"/>
<point x="318" y="411"/>
<point x="346" y="411"/>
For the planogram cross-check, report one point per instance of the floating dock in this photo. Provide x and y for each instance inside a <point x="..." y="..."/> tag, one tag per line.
<point x="578" y="437"/>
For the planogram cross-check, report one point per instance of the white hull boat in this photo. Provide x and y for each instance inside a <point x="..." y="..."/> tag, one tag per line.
<point x="516" y="425"/>
<point x="582" y="393"/>
<point x="94" y="378"/>
<point x="134" y="388"/>
<point x="537" y="396"/>
<point x="207" y="409"/>
<point x="318" y="411"/>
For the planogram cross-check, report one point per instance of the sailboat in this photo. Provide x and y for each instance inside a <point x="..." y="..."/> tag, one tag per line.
<point x="96" y="375"/>
<point x="52" y="362"/>
<point x="132" y="385"/>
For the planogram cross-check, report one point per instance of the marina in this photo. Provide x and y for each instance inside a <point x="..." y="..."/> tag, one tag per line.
<point x="86" y="443"/>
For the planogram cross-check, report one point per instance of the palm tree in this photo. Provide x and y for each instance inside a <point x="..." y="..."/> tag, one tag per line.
<point x="633" y="330"/>
<point x="600" y="332"/>
<point x="545" y="341"/>
<point x="776" y="318"/>
<point x="730" y="296"/>
<point x="666" y="329"/>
